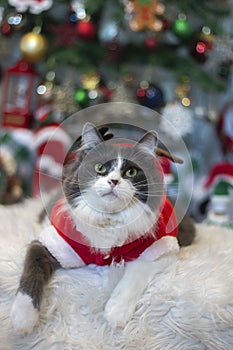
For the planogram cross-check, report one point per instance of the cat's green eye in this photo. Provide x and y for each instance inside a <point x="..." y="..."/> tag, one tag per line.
<point x="131" y="172"/>
<point x="100" y="168"/>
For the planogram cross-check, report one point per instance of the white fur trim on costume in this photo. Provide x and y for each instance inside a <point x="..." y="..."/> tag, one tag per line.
<point x="52" y="133"/>
<point x="48" y="165"/>
<point x="59" y="248"/>
<point x="24" y="316"/>
<point x="163" y="246"/>
<point x="126" y="225"/>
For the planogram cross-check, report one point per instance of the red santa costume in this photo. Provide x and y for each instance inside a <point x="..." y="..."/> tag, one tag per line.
<point x="72" y="249"/>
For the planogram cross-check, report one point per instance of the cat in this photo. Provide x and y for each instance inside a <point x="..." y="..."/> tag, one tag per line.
<point x="113" y="209"/>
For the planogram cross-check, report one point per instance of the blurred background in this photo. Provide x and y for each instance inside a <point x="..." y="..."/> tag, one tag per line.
<point x="173" y="58"/>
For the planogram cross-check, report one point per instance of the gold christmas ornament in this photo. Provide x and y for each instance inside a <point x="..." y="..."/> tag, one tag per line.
<point x="182" y="91"/>
<point x="90" y="81"/>
<point x="207" y="35"/>
<point x="33" y="47"/>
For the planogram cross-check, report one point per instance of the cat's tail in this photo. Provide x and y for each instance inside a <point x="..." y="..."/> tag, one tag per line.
<point x="186" y="231"/>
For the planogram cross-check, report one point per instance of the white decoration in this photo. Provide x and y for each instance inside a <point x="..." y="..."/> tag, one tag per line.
<point x="34" y="6"/>
<point x="179" y="116"/>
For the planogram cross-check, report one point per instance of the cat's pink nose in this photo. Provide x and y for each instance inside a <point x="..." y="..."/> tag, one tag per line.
<point x="113" y="182"/>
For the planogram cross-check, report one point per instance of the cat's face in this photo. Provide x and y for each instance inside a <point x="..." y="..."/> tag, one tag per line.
<point x="111" y="178"/>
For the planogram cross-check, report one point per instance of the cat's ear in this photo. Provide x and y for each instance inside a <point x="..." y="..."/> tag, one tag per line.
<point x="149" y="141"/>
<point x="91" y="137"/>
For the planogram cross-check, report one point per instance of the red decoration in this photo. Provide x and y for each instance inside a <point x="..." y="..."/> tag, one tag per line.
<point x="200" y="50"/>
<point x="220" y="171"/>
<point x="151" y="43"/>
<point x="86" y="30"/>
<point x="19" y="95"/>
<point x="51" y="144"/>
<point x="141" y="93"/>
<point x="6" y="29"/>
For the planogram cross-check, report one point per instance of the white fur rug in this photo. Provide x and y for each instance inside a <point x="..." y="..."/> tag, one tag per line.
<point x="188" y="305"/>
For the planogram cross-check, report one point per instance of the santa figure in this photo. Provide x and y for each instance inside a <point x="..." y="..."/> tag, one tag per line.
<point x="219" y="187"/>
<point x="52" y="144"/>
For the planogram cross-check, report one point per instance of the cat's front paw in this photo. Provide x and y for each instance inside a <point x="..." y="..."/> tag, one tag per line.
<point x="23" y="315"/>
<point x="117" y="312"/>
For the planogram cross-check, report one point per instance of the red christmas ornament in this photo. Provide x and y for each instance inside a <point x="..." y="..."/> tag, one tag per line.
<point x="6" y="29"/>
<point x="141" y="93"/>
<point x="86" y="30"/>
<point x="151" y="43"/>
<point x="200" y="50"/>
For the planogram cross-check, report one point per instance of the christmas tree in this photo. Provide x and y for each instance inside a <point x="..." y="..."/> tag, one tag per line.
<point x="127" y="39"/>
<point x="174" y="57"/>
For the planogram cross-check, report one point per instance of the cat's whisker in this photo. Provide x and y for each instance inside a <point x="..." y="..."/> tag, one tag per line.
<point x="172" y="196"/>
<point x="88" y="171"/>
<point x="151" y="183"/>
<point x="40" y="172"/>
<point x="154" y="194"/>
<point x="76" y="181"/>
<point x="79" y="184"/>
<point x="72" y="194"/>
<point x="143" y="187"/>
<point x="173" y="185"/>
<point x="151" y="193"/>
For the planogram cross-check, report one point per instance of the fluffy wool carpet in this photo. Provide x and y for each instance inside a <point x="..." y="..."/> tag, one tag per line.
<point x="188" y="305"/>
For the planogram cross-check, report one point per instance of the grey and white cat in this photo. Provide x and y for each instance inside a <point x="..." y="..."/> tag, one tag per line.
<point x="112" y="198"/>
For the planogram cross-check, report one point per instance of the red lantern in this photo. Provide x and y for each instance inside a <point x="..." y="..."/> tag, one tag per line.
<point x="19" y="95"/>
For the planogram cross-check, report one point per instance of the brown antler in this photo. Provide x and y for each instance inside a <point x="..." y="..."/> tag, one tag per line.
<point x="162" y="153"/>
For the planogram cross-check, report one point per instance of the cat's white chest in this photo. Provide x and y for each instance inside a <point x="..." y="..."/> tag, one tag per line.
<point x="105" y="231"/>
